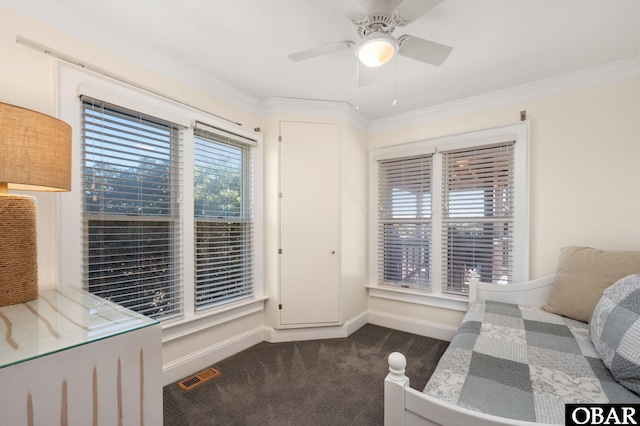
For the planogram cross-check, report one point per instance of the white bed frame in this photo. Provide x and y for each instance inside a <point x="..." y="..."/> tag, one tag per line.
<point x="404" y="406"/>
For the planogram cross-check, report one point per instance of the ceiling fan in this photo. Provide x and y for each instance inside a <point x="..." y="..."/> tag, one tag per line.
<point x="376" y="45"/>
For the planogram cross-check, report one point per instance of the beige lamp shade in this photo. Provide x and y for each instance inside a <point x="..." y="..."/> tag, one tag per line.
<point x="35" y="155"/>
<point x="35" y="150"/>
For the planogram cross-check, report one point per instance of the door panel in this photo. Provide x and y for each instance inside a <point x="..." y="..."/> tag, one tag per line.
<point x="309" y="223"/>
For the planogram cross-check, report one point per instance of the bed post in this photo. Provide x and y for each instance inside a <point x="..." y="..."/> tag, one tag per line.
<point x="394" y="386"/>
<point x="473" y="286"/>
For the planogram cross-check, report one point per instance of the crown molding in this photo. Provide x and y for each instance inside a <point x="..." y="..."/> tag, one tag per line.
<point x="604" y="74"/>
<point x="596" y="76"/>
<point x="323" y="108"/>
<point x="190" y="76"/>
<point x="152" y="60"/>
<point x="609" y="73"/>
<point x="199" y="80"/>
<point x="209" y="85"/>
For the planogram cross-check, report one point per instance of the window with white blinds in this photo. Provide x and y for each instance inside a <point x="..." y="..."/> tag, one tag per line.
<point x="223" y="211"/>
<point x="404" y="221"/>
<point x="448" y="206"/>
<point x="131" y="221"/>
<point x="478" y="216"/>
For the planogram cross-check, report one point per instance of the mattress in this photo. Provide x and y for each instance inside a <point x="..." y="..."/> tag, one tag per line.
<point x="523" y="363"/>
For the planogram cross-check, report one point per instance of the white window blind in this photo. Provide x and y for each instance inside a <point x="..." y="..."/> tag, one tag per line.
<point x="478" y="216"/>
<point x="224" y="223"/>
<point x="132" y="226"/>
<point x="404" y="221"/>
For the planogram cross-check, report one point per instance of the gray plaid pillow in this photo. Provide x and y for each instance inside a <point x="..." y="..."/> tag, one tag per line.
<point x="615" y="330"/>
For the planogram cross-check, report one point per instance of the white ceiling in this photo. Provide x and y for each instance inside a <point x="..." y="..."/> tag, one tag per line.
<point x="497" y="44"/>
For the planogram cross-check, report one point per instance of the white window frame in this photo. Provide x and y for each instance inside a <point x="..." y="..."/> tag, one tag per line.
<point x="215" y="139"/>
<point x="72" y="82"/>
<point x="518" y="132"/>
<point x="98" y="147"/>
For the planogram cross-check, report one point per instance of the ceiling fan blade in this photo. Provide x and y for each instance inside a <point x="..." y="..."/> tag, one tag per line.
<point x="320" y="50"/>
<point x="410" y="10"/>
<point x="374" y="7"/>
<point x="423" y="50"/>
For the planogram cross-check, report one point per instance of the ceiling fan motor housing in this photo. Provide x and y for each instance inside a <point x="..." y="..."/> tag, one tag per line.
<point x="379" y="23"/>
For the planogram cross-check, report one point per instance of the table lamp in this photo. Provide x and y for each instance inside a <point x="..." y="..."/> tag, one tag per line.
<point x="35" y="155"/>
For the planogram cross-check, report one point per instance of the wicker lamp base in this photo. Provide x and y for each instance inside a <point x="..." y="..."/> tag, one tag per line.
<point x="18" y="263"/>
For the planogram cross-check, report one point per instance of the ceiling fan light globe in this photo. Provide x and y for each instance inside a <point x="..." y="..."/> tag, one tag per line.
<point x="376" y="50"/>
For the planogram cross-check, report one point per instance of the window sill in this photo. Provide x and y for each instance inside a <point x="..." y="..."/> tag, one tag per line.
<point x="172" y="330"/>
<point x="419" y="297"/>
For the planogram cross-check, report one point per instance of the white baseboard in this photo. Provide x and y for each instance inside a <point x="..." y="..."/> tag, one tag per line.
<point x="357" y="322"/>
<point x="273" y="335"/>
<point x="199" y="360"/>
<point x="412" y="325"/>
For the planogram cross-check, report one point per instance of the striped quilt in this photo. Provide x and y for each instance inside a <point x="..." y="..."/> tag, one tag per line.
<point x="523" y="363"/>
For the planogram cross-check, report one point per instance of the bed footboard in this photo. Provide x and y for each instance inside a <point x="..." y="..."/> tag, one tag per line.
<point x="394" y="390"/>
<point x="405" y="406"/>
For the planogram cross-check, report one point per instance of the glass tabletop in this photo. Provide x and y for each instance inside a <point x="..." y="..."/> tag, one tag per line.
<point x="60" y="319"/>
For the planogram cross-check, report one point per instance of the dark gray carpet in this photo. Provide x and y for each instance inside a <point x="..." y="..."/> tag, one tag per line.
<point x="317" y="382"/>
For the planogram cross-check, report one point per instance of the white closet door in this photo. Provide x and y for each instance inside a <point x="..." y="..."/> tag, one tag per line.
<point x="309" y="223"/>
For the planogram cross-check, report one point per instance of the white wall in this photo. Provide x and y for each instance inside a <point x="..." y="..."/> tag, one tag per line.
<point x="354" y="204"/>
<point x="584" y="173"/>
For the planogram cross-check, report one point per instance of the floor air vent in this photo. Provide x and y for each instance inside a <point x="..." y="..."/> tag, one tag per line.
<point x="198" y="379"/>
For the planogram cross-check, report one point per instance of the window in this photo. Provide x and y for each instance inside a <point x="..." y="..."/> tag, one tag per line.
<point x="131" y="221"/>
<point x="164" y="216"/>
<point x="447" y="206"/>
<point x="405" y="221"/>
<point x="477" y="231"/>
<point x="223" y="175"/>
